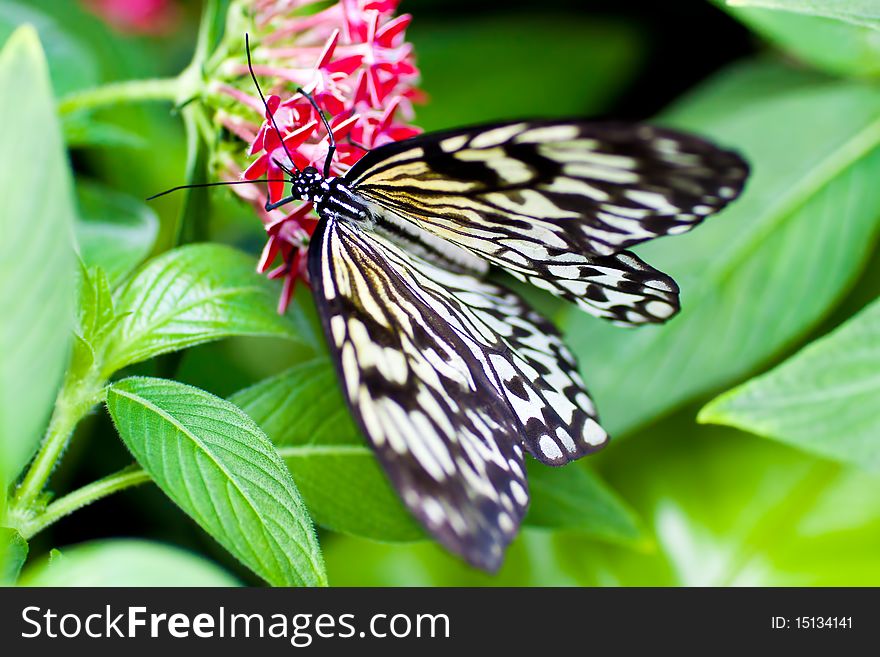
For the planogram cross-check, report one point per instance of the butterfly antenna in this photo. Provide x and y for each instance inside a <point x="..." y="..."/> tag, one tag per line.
<point x="332" y="149"/>
<point x="269" y="113"/>
<point x="211" y="184"/>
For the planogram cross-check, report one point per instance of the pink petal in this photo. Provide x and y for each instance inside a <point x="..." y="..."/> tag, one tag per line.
<point x="330" y="46"/>
<point x="272" y="103"/>
<point x="275" y="184"/>
<point x="299" y="136"/>
<point x="347" y="65"/>
<point x="257" y="169"/>
<point x="270" y="250"/>
<point x="341" y="131"/>
<point x="385" y="36"/>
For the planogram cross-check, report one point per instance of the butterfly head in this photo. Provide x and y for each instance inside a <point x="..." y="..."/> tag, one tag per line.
<point x="308" y="184"/>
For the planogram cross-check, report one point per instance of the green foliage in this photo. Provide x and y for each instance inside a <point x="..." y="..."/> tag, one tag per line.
<point x="574" y="498"/>
<point x="832" y="36"/>
<point x="95" y="319"/>
<point x="532" y="560"/>
<point x="13" y="552"/>
<point x="347" y="491"/>
<point x="303" y="413"/>
<point x="823" y="399"/>
<point x="749" y="277"/>
<point x="124" y="562"/>
<point x="727" y="509"/>
<point x="857" y="12"/>
<point x="189" y="296"/>
<point x="219" y="467"/>
<point x="37" y="267"/>
<point x="82" y="130"/>
<point x="511" y="48"/>
<point x="71" y="64"/>
<point x="115" y="231"/>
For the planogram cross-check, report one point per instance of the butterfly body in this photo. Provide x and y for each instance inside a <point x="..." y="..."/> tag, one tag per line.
<point x="452" y="378"/>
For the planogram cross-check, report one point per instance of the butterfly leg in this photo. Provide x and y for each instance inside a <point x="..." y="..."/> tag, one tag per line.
<point x="357" y="145"/>
<point x="277" y="204"/>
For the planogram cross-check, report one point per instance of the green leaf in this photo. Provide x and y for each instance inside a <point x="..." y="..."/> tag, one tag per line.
<point x="303" y="413"/>
<point x="573" y="497"/>
<point x="95" y="311"/>
<point x="115" y="231"/>
<point x="192" y="295"/>
<point x="514" y="48"/>
<point x="818" y="36"/>
<point x="13" y="553"/>
<point x="858" y="12"/>
<point x="824" y="399"/>
<point x="302" y="406"/>
<point x="760" y="275"/>
<point x="83" y="130"/>
<point x="219" y="467"/>
<point x="37" y="262"/>
<point x="95" y="318"/>
<point x="71" y="64"/>
<point x="128" y="563"/>
<point x="347" y="491"/>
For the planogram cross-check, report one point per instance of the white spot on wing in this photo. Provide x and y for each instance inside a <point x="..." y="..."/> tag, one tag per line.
<point x="453" y="143"/>
<point x="496" y="136"/>
<point x="519" y="493"/>
<point x="549" y="133"/>
<point x="659" y="309"/>
<point x="549" y="448"/>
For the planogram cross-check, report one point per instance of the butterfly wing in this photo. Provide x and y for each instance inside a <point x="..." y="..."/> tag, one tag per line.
<point x="449" y="378"/>
<point x="557" y="203"/>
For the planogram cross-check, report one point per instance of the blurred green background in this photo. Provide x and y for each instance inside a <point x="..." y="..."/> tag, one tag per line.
<point x="692" y="504"/>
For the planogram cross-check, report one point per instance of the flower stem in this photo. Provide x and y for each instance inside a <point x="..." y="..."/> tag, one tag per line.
<point x="117" y="93"/>
<point x="79" y="498"/>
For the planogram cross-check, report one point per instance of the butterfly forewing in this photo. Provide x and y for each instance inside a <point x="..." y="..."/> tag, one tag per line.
<point x="449" y="377"/>
<point x="557" y="204"/>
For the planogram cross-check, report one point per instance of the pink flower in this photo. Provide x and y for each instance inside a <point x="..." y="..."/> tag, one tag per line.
<point x="353" y="59"/>
<point x="136" y="16"/>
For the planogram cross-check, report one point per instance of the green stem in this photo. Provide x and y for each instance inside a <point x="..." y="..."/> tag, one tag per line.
<point x="117" y="93"/>
<point x="74" y="400"/>
<point x="81" y="497"/>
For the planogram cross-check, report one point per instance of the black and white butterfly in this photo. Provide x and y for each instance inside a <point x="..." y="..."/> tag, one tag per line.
<point x="453" y="378"/>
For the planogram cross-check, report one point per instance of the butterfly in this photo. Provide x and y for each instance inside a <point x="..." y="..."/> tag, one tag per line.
<point x="452" y="377"/>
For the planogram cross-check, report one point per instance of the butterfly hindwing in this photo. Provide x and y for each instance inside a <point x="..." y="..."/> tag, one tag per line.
<point x="449" y="377"/>
<point x="557" y="203"/>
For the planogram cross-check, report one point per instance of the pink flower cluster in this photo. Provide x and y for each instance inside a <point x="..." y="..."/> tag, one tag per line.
<point x="352" y="58"/>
